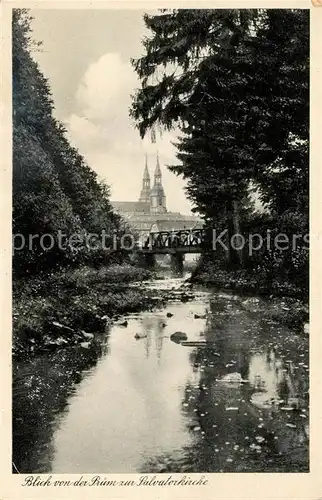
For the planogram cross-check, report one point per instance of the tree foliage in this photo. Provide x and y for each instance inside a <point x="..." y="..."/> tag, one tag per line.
<point x="53" y="187"/>
<point x="235" y="84"/>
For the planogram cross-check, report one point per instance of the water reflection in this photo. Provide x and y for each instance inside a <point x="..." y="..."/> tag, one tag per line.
<point x="147" y="404"/>
<point x="40" y="392"/>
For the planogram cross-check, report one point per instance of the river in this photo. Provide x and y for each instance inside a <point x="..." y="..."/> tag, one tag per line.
<point x="126" y="404"/>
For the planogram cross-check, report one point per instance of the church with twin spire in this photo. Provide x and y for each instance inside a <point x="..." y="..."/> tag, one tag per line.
<point x="154" y="198"/>
<point x="150" y="212"/>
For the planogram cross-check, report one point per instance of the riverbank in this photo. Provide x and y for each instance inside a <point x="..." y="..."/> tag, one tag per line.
<point x="284" y="302"/>
<point x="66" y="308"/>
<point x="70" y="308"/>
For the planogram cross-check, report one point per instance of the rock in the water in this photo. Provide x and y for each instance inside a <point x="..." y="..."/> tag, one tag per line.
<point x="232" y="378"/>
<point x="138" y="336"/>
<point x="169" y="315"/>
<point x="123" y="323"/>
<point x="178" y="337"/>
<point x="53" y="343"/>
<point x="262" y="400"/>
<point x="88" y="336"/>
<point x="106" y="318"/>
<point x="59" y="328"/>
<point x="200" y="316"/>
<point x="60" y="341"/>
<point x="196" y="343"/>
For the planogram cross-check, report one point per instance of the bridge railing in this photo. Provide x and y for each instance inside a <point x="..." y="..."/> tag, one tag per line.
<point x="186" y="238"/>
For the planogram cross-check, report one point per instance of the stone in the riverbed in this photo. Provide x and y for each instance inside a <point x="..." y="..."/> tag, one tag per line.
<point x="232" y="378"/>
<point x="178" y="337"/>
<point x="106" y="318"/>
<point x="169" y="315"/>
<point x="59" y="328"/>
<point x="262" y="400"/>
<point x="185" y="297"/>
<point x="196" y="343"/>
<point x="51" y="343"/>
<point x="138" y="336"/>
<point x="86" y="335"/>
<point x="123" y="323"/>
<point x="200" y="316"/>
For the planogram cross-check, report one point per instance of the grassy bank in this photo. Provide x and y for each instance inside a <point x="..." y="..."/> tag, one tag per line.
<point x="286" y="303"/>
<point x="56" y="309"/>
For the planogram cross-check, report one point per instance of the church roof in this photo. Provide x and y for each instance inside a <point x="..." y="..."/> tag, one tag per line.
<point x="175" y="225"/>
<point x="131" y="206"/>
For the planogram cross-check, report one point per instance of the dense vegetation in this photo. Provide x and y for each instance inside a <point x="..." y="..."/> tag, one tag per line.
<point x="53" y="187"/>
<point x="60" y="290"/>
<point x="235" y="83"/>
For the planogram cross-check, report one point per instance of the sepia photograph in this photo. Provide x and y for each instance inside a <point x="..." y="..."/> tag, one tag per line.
<point x="160" y="242"/>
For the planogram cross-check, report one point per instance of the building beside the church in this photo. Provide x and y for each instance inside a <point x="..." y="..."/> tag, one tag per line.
<point x="150" y="212"/>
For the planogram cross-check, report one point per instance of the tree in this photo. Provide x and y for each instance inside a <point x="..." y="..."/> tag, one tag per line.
<point x="54" y="190"/>
<point x="235" y="83"/>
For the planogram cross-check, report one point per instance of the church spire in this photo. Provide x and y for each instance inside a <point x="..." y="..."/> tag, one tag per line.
<point x="157" y="172"/>
<point x="146" y="175"/>
<point x="158" y="199"/>
<point x="146" y="189"/>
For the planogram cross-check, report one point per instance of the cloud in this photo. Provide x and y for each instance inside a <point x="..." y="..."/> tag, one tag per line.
<point x="103" y="132"/>
<point x="107" y="81"/>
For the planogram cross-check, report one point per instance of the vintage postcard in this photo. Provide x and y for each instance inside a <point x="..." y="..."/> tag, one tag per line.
<point x="160" y="264"/>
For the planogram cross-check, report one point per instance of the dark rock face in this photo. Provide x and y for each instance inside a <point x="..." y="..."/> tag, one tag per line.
<point x="178" y="337"/>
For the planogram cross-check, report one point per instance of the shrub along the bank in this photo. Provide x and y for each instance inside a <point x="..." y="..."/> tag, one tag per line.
<point x="76" y="300"/>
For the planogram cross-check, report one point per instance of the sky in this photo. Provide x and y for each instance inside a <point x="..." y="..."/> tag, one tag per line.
<point x="86" y="57"/>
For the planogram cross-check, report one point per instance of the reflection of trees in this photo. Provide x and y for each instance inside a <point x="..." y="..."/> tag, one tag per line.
<point x="159" y="334"/>
<point x="230" y="344"/>
<point x="40" y="392"/>
<point x="153" y="326"/>
<point x="232" y="434"/>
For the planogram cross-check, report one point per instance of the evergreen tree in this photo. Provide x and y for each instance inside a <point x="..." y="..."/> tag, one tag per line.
<point x="235" y="83"/>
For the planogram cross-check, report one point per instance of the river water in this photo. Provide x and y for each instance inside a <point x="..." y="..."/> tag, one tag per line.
<point x="126" y="404"/>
